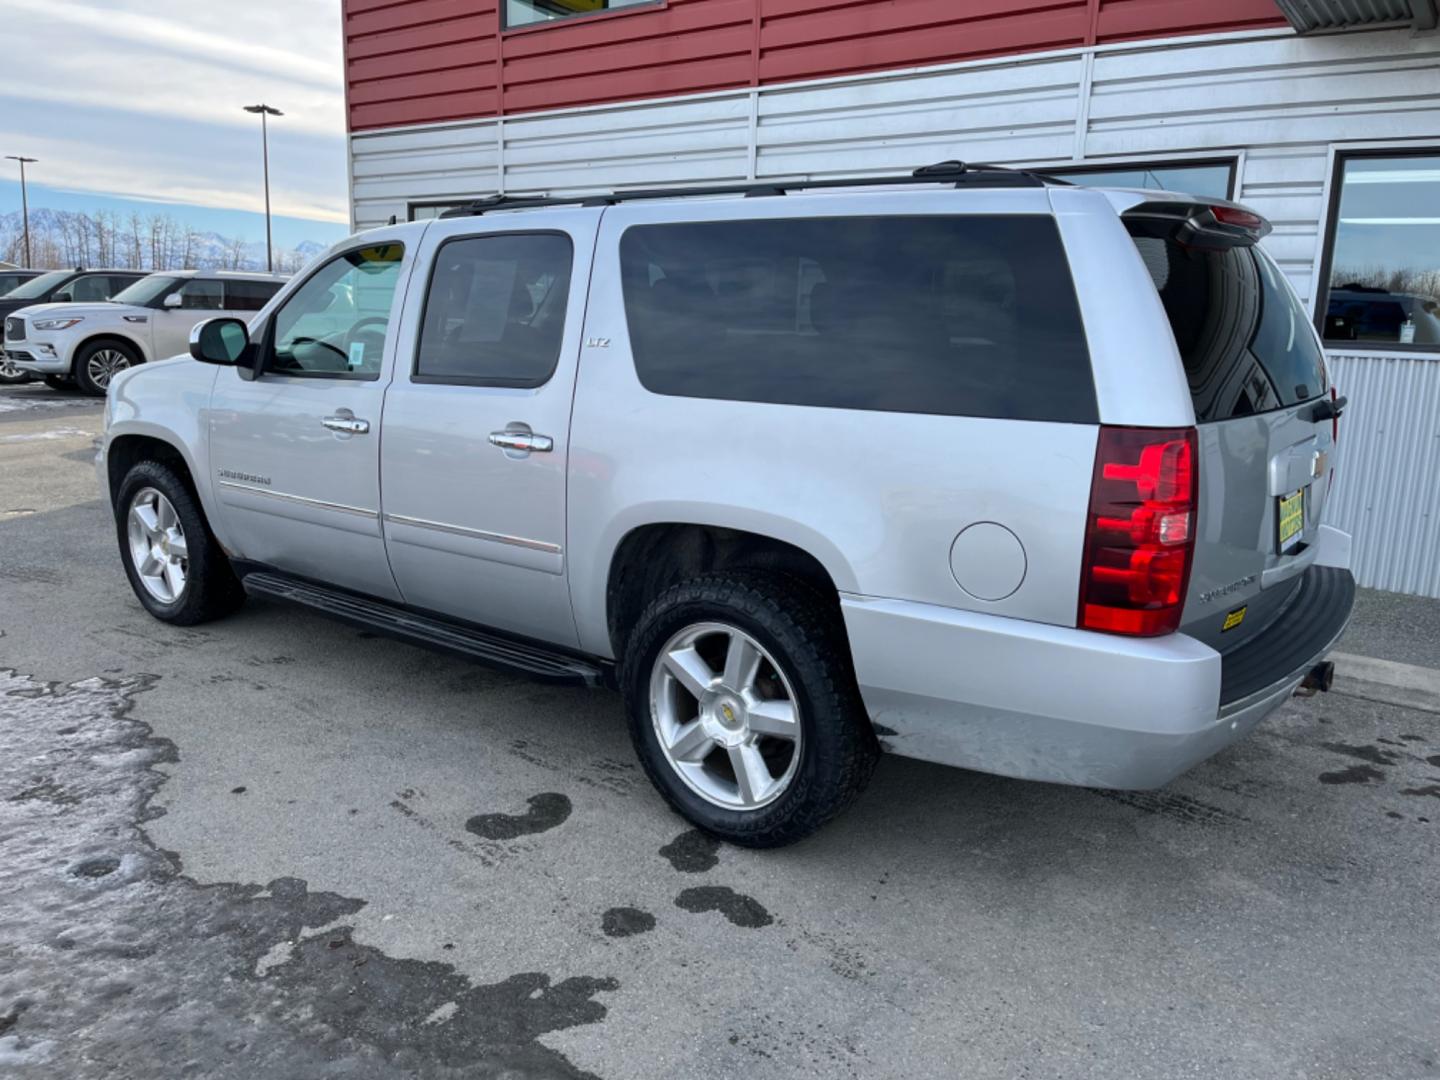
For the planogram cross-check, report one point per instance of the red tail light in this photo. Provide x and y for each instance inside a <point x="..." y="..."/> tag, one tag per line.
<point x="1140" y="533"/>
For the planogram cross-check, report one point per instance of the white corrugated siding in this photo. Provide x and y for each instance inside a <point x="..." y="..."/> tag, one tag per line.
<point x="1281" y="100"/>
<point x="1387" y="493"/>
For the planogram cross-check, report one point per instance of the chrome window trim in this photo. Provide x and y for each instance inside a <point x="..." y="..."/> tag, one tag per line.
<point x="474" y="534"/>
<point x="358" y="511"/>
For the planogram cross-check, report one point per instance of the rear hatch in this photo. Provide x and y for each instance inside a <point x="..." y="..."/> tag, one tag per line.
<point x="1264" y="410"/>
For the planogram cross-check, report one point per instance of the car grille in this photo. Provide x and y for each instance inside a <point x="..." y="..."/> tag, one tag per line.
<point x="15" y="329"/>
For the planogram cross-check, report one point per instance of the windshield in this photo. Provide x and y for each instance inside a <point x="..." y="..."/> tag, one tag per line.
<point x="35" y="288"/>
<point x="147" y="290"/>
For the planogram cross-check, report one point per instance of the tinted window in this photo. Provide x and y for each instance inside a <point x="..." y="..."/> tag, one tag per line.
<point x="495" y="312"/>
<point x="9" y="281"/>
<point x="334" y="325"/>
<point x="966" y="316"/>
<point x="1385" y="255"/>
<point x="249" y="295"/>
<point x="88" y="288"/>
<point x="201" y="294"/>
<point x="1246" y="341"/>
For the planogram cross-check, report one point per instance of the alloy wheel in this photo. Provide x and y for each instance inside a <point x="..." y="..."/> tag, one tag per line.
<point x="105" y="364"/>
<point x="157" y="545"/>
<point x="725" y="716"/>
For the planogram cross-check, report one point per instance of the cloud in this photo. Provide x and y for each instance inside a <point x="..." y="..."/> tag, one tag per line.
<point x="143" y="98"/>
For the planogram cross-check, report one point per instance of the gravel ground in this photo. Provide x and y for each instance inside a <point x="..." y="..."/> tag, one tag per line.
<point x="276" y="847"/>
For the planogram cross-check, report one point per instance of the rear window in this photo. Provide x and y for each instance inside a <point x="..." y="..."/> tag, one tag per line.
<point x="962" y="316"/>
<point x="1247" y="343"/>
<point x="249" y="295"/>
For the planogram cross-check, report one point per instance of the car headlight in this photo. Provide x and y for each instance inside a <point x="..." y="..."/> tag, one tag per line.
<point x="57" y="324"/>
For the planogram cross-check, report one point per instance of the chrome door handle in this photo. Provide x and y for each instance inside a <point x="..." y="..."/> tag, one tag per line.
<point x="522" y="441"/>
<point x="349" y="425"/>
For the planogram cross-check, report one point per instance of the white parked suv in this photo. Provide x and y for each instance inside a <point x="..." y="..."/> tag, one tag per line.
<point x="149" y="320"/>
<point x="973" y="467"/>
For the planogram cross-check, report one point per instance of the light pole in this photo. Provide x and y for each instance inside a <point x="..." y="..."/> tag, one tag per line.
<point x="266" y="112"/>
<point x="24" y="199"/>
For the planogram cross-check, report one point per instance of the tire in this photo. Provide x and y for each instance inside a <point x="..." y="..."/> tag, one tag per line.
<point x="208" y="588"/>
<point x="10" y="375"/>
<point x="803" y="661"/>
<point x="63" y="383"/>
<point x="99" y="361"/>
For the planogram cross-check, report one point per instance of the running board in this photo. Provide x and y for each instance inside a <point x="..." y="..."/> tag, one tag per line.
<point x="483" y="646"/>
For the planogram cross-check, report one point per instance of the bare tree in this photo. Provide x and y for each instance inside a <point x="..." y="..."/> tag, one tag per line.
<point x="1388" y="279"/>
<point x="235" y="254"/>
<point x="135" y="240"/>
<point x="137" y="243"/>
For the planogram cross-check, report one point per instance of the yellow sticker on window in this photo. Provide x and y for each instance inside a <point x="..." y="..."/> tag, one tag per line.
<point x="380" y="257"/>
<point x="1234" y="619"/>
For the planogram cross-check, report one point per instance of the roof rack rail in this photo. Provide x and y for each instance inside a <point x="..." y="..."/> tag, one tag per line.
<point x="957" y="174"/>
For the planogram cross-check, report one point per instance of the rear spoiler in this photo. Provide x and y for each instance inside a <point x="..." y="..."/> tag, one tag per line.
<point x="1214" y="223"/>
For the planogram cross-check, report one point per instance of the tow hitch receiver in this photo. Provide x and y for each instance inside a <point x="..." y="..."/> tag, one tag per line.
<point x="1320" y="679"/>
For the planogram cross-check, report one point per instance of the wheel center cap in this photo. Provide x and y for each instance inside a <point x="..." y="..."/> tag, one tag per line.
<point x="727" y="714"/>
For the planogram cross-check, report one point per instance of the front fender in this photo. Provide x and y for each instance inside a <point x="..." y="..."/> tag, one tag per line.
<point x="169" y="402"/>
<point x="115" y="333"/>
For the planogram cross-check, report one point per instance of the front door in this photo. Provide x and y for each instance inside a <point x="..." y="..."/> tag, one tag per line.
<point x="200" y="299"/>
<point x="477" y="422"/>
<point x="295" y="452"/>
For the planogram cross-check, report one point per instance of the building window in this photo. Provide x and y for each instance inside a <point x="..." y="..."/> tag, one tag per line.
<point x="1382" y="263"/>
<point x="531" y="12"/>
<point x="1215" y="179"/>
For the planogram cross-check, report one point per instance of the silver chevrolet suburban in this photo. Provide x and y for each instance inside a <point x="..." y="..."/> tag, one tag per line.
<point x="970" y="466"/>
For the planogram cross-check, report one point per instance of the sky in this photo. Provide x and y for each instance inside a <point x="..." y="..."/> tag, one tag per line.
<point x="140" y="101"/>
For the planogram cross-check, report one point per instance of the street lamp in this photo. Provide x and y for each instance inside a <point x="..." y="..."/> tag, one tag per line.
<point x="266" y="112"/>
<point x="24" y="199"/>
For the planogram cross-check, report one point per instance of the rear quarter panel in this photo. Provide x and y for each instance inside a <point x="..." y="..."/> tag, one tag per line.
<point x="1139" y="377"/>
<point x="878" y="498"/>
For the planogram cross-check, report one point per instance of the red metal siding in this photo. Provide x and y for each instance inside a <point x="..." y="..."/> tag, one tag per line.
<point x="420" y="61"/>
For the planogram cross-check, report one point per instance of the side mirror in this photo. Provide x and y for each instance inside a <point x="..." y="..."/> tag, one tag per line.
<point x="225" y="342"/>
<point x="174" y="300"/>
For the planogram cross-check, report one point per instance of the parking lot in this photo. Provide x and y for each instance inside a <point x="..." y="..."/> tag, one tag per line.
<point x="278" y="847"/>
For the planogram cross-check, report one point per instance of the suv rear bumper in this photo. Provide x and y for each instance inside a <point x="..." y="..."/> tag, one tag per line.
<point x="1070" y="706"/>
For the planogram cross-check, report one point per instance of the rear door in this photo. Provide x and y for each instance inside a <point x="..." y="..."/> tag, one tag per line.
<point x="200" y="299"/>
<point x="1266" y="434"/>
<point x="477" y="420"/>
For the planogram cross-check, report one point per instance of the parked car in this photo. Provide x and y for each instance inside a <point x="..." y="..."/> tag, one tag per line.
<point x="1367" y="314"/>
<point x="58" y="287"/>
<point x="983" y="470"/>
<point x="151" y="319"/>
<point x="13" y="278"/>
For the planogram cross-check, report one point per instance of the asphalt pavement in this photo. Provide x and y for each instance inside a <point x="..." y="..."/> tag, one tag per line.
<point x="274" y="846"/>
